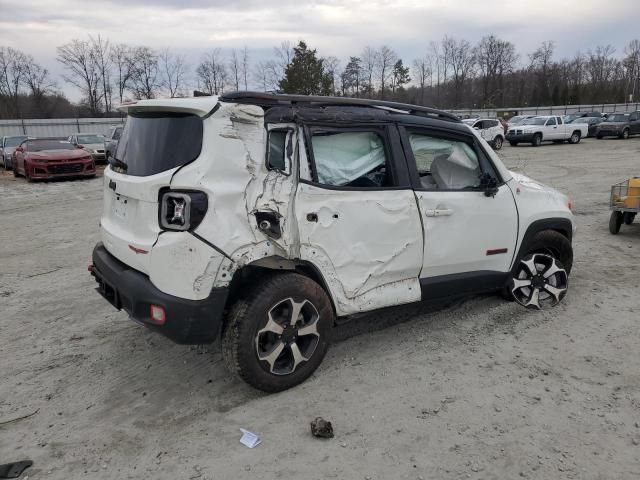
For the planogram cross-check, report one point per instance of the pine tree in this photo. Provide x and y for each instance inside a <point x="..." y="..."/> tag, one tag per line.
<point x="306" y="74"/>
<point x="400" y="75"/>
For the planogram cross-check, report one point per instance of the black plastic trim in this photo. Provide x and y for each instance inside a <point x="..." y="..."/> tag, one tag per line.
<point x="562" y="225"/>
<point x="462" y="284"/>
<point x="191" y="322"/>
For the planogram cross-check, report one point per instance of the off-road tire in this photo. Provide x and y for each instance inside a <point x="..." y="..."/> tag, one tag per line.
<point x="537" y="140"/>
<point x="250" y="314"/>
<point x="550" y="243"/>
<point x="615" y="222"/>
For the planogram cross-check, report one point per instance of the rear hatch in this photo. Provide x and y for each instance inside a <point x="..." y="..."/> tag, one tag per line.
<point x="153" y="145"/>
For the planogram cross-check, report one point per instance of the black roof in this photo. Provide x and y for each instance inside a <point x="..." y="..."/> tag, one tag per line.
<point x="269" y="100"/>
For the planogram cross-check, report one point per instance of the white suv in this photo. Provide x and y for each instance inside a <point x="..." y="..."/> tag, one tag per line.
<point x="262" y="219"/>
<point x="490" y="129"/>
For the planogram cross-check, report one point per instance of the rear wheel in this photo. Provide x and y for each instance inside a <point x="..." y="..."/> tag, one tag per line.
<point x="615" y="222"/>
<point x="625" y="134"/>
<point x="575" y="137"/>
<point x="497" y="143"/>
<point x="537" y="140"/>
<point x="277" y="336"/>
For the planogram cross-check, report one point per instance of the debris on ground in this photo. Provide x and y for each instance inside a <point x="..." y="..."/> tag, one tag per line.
<point x="250" y="439"/>
<point x="321" y="428"/>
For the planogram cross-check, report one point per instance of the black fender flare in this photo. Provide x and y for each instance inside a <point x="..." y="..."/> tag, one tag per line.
<point x="559" y="224"/>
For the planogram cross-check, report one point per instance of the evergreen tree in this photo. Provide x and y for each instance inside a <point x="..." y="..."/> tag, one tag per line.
<point x="400" y="75"/>
<point x="306" y="74"/>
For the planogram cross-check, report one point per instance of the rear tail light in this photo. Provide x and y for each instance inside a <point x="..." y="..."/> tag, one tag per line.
<point x="182" y="210"/>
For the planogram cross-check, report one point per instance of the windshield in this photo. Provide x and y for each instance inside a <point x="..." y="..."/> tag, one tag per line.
<point x="40" y="145"/>
<point x="618" y="118"/>
<point x="536" y="121"/>
<point x="577" y="120"/>
<point x="14" y="141"/>
<point x="156" y="142"/>
<point x="89" y="139"/>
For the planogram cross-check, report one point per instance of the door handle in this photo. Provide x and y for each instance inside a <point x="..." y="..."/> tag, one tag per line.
<point x="438" y="212"/>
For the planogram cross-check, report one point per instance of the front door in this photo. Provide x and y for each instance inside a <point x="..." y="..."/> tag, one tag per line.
<point x="357" y="216"/>
<point x="467" y="233"/>
<point x="552" y="131"/>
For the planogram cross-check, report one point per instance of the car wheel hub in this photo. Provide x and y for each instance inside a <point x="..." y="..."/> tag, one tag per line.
<point x="539" y="282"/>
<point x="289" y="337"/>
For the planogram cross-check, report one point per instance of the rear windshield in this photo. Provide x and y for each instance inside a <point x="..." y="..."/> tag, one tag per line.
<point x="41" y="145"/>
<point x="13" y="141"/>
<point x="90" y="139"/>
<point x="156" y="142"/>
<point x="618" y="118"/>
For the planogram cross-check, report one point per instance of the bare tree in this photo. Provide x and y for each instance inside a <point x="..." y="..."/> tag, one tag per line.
<point x="38" y="81"/>
<point x="144" y="73"/>
<point x="122" y="60"/>
<point x="173" y="71"/>
<point x="422" y="71"/>
<point x="369" y="60"/>
<point x="462" y="62"/>
<point x="261" y="75"/>
<point x="12" y="76"/>
<point x="384" y="66"/>
<point x="235" y="68"/>
<point x="331" y="65"/>
<point x="541" y="64"/>
<point x="245" y="66"/>
<point x="434" y="52"/>
<point x="78" y="59"/>
<point x="631" y="64"/>
<point x="495" y="59"/>
<point x="100" y="52"/>
<point x="212" y="74"/>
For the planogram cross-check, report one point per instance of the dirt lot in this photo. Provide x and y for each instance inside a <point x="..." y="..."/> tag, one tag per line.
<point x="476" y="389"/>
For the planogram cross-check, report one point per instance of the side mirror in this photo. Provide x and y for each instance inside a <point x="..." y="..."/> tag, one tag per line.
<point x="490" y="185"/>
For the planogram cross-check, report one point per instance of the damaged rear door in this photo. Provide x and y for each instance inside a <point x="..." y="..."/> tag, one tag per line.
<point x="357" y="216"/>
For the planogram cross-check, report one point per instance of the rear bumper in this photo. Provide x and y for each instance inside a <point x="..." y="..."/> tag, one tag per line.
<point x="83" y="168"/>
<point x="187" y="321"/>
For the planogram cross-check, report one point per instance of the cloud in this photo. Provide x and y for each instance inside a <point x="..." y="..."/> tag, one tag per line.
<point x="337" y="28"/>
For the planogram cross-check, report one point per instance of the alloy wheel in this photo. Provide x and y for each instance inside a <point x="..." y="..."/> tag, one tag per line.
<point x="290" y="336"/>
<point x="539" y="282"/>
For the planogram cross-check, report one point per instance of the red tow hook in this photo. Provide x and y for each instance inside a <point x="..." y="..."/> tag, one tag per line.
<point x="92" y="269"/>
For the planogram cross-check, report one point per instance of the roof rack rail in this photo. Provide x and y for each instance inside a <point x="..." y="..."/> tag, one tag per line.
<point x="267" y="100"/>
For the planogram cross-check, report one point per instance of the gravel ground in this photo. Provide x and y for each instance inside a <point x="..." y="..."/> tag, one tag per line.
<point x="476" y="389"/>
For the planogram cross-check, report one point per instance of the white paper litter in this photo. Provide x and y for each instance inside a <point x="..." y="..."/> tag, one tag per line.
<point x="250" y="439"/>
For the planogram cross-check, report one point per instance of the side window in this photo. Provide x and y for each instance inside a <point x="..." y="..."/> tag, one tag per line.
<point x="559" y="120"/>
<point x="479" y="125"/>
<point x="444" y="163"/>
<point x="277" y="155"/>
<point x="350" y="159"/>
<point x="551" y="122"/>
<point x="633" y="117"/>
<point x="494" y="123"/>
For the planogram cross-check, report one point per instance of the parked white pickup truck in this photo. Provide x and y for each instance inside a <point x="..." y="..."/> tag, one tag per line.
<point x="546" y="128"/>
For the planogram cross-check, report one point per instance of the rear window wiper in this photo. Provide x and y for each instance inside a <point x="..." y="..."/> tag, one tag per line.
<point x="119" y="163"/>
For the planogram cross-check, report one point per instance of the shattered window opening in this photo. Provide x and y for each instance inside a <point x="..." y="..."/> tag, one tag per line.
<point x="276" y="154"/>
<point x="445" y="164"/>
<point x="350" y="159"/>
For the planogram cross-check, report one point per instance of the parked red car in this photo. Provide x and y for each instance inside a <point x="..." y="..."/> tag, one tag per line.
<point x="45" y="158"/>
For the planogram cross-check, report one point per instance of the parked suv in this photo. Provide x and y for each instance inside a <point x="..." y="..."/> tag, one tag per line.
<point x="263" y="219"/>
<point x="620" y="125"/>
<point x="490" y="129"/>
<point x="111" y="142"/>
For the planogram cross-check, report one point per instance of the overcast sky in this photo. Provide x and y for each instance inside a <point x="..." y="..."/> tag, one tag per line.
<point x="338" y="28"/>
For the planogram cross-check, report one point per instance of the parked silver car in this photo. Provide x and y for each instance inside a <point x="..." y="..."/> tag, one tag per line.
<point x="7" y="147"/>
<point x="94" y="143"/>
<point x="111" y="142"/>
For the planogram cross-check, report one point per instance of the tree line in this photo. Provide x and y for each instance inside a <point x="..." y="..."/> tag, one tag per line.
<point x="452" y="73"/>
